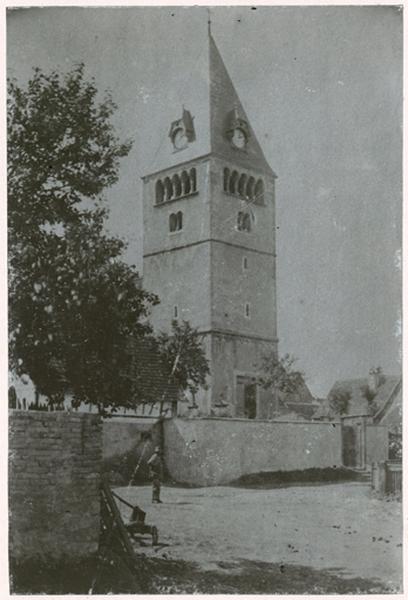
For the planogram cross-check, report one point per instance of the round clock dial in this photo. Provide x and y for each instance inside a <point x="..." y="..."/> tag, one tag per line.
<point x="239" y="138"/>
<point x="180" y="139"/>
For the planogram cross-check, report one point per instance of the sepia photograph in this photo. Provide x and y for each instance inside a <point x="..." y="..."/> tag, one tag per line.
<point x="204" y="226"/>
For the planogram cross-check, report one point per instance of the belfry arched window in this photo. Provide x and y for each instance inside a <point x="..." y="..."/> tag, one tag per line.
<point x="185" y="183"/>
<point x="193" y="179"/>
<point x="250" y="188"/>
<point x="242" y="185"/>
<point x="233" y="182"/>
<point x="168" y="189"/>
<point x="176" y="186"/>
<point x="259" y="191"/>
<point x="176" y="221"/>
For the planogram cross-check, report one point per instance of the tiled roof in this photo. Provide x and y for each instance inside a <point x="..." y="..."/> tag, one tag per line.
<point x="391" y="412"/>
<point x="302" y="394"/>
<point x="150" y="373"/>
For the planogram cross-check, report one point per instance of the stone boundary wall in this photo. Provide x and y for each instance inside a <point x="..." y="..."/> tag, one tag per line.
<point x="213" y="451"/>
<point x="128" y="443"/>
<point x="54" y="476"/>
<point x="124" y="434"/>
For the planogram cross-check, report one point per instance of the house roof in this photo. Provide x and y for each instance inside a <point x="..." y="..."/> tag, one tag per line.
<point x="359" y="404"/>
<point x="300" y="403"/>
<point x="150" y="373"/>
<point x="391" y="412"/>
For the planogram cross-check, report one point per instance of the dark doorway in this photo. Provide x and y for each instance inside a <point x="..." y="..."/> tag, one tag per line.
<point x="250" y="400"/>
<point x="349" y="446"/>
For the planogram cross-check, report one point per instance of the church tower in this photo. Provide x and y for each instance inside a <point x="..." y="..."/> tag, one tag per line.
<point x="209" y="241"/>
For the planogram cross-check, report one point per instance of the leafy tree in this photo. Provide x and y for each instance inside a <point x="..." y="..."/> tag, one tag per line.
<point x="369" y="393"/>
<point x="184" y="355"/>
<point x="279" y="374"/>
<point x="339" y="401"/>
<point x="73" y="302"/>
<point x="62" y="150"/>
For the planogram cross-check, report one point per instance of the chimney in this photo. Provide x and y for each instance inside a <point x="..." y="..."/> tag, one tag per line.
<point x="373" y="379"/>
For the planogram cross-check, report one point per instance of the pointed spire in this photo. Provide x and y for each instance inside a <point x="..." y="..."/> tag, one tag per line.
<point x="228" y="114"/>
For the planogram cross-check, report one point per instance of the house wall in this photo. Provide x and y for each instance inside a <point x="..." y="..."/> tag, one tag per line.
<point x="54" y="476"/>
<point x="216" y="451"/>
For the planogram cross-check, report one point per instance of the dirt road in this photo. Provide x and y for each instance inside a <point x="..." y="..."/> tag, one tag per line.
<point x="338" y="529"/>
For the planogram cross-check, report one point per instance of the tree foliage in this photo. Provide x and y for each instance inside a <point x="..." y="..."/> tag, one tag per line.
<point x="184" y="355"/>
<point x="279" y="374"/>
<point x="62" y="150"/>
<point x="73" y="302"/>
<point x="369" y="393"/>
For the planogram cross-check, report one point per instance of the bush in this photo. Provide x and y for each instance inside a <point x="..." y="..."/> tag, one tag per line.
<point x="306" y="476"/>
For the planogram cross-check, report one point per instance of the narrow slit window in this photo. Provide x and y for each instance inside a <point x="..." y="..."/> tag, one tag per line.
<point x="175" y="312"/>
<point x="245" y="263"/>
<point x="247" y="310"/>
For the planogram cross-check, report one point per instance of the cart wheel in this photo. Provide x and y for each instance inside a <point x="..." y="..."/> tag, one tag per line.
<point x="155" y="536"/>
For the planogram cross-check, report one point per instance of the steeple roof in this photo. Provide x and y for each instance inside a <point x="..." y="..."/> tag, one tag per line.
<point x="225" y="110"/>
<point x="211" y="99"/>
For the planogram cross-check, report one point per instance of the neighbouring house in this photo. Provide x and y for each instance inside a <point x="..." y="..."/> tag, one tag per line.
<point x="367" y="406"/>
<point x="376" y="396"/>
<point x="300" y="405"/>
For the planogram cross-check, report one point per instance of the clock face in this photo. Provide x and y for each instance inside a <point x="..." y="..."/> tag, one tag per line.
<point x="180" y="140"/>
<point x="239" y="138"/>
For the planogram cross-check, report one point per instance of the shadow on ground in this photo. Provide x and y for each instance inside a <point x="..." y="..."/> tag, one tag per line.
<point x="161" y="576"/>
<point x="255" y="577"/>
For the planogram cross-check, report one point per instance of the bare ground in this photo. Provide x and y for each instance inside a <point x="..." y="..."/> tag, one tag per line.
<point x="310" y="539"/>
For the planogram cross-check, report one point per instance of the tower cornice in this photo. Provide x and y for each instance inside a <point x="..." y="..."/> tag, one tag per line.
<point x="233" y="160"/>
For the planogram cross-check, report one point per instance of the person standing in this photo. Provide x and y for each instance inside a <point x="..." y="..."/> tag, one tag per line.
<point x="155" y="464"/>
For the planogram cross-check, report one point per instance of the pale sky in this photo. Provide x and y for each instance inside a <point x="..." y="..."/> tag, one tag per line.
<point x="322" y="88"/>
